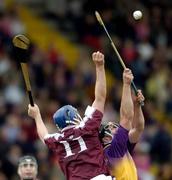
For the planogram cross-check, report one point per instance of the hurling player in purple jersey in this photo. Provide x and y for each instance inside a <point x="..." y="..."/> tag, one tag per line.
<point x="119" y="140"/>
<point x="76" y="144"/>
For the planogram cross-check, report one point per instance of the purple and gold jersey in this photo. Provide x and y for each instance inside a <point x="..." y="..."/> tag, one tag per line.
<point x="79" y="151"/>
<point x="121" y="163"/>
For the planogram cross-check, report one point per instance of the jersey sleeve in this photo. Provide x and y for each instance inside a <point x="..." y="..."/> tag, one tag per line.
<point x="93" y="118"/>
<point x="130" y="146"/>
<point x="118" y="146"/>
<point x="50" y="140"/>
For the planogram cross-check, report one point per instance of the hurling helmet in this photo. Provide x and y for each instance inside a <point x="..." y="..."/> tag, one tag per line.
<point x="66" y="115"/>
<point x="105" y="129"/>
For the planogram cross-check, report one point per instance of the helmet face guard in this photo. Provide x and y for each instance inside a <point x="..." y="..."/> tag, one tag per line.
<point x="106" y="130"/>
<point x="65" y="116"/>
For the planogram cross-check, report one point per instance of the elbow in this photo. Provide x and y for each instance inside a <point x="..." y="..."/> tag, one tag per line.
<point x="141" y="124"/>
<point x="127" y="114"/>
<point x="101" y="97"/>
<point x="125" y="121"/>
<point x="140" y="128"/>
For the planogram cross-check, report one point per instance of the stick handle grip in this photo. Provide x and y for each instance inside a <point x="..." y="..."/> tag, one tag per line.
<point x="30" y="98"/>
<point x="136" y="91"/>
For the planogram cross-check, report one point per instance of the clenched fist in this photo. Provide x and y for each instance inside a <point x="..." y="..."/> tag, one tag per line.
<point x="127" y="76"/>
<point x="98" y="58"/>
<point x="33" y="111"/>
<point x="139" y="98"/>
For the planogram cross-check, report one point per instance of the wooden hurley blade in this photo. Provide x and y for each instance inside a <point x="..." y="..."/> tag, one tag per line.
<point x="21" y="41"/>
<point x="99" y="19"/>
<point x="21" y="46"/>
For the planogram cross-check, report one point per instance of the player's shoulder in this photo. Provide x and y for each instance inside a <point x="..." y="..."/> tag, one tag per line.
<point x="54" y="136"/>
<point x="122" y="130"/>
<point x="90" y="112"/>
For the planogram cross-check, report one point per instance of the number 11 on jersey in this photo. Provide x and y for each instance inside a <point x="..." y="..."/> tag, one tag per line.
<point x="67" y="147"/>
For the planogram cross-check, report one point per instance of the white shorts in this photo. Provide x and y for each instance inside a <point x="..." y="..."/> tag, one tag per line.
<point x="103" y="177"/>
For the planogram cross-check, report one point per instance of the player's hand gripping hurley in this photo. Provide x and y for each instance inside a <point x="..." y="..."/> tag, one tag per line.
<point x="21" y="43"/>
<point x="99" y="19"/>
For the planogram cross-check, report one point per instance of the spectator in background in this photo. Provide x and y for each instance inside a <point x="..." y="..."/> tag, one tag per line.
<point x="27" y="168"/>
<point x="10" y="160"/>
<point x="2" y="176"/>
<point x="161" y="146"/>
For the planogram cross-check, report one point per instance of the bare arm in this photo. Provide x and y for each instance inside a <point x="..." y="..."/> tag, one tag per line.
<point x="35" y="114"/>
<point x="138" y="120"/>
<point x="126" y="109"/>
<point x="100" y="87"/>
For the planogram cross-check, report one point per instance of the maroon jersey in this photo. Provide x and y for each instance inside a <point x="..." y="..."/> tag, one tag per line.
<point x="79" y="151"/>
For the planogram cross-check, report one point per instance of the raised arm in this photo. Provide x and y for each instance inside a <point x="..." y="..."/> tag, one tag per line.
<point x="138" y="122"/>
<point x="100" y="86"/>
<point x="126" y="109"/>
<point x="34" y="112"/>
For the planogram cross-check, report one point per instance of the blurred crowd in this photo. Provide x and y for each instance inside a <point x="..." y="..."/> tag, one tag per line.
<point x="145" y="46"/>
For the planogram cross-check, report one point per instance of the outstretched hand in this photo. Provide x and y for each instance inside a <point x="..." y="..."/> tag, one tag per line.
<point x="139" y="98"/>
<point x="98" y="58"/>
<point x="127" y="76"/>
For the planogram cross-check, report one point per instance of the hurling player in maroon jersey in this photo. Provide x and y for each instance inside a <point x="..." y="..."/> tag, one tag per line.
<point x="77" y="145"/>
